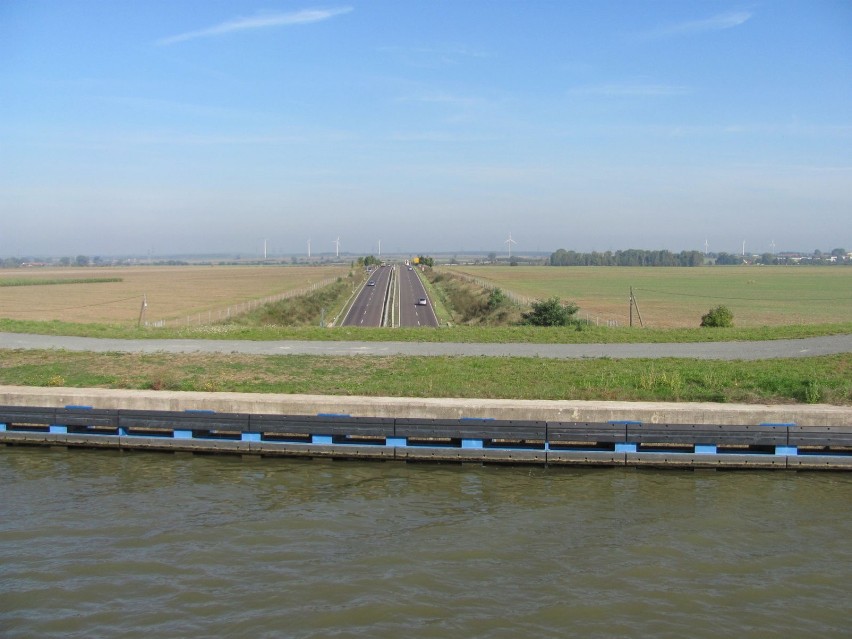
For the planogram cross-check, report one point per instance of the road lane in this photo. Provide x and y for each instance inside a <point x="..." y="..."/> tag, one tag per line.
<point x="366" y="310"/>
<point x="411" y="290"/>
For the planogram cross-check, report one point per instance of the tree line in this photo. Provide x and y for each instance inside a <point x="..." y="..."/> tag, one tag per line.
<point x="629" y="257"/>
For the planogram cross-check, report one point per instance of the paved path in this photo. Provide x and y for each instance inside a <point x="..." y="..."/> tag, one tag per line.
<point x="704" y="350"/>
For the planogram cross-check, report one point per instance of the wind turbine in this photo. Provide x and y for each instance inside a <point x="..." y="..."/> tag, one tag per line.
<point x="337" y="247"/>
<point x="772" y="247"/>
<point x="706" y="246"/>
<point x="309" y="248"/>
<point x="264" y="249"/>
<point x="509" y="243"/>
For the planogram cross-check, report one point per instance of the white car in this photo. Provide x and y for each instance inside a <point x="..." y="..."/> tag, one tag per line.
<point x="422" y="301"/>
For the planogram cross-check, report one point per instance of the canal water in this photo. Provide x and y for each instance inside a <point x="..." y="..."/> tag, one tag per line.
<point x="110" y="544"/>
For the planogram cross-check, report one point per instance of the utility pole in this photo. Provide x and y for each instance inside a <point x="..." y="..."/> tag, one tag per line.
<point x="633" y="305"/>
<point x="142" y="310"/>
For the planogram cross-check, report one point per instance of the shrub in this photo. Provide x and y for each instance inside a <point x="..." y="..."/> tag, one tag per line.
<point x="551" y="312"/>
<point x="719" y="317"/>
<point x="496" y="299"/>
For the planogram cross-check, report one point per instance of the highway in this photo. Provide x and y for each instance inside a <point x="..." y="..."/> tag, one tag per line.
<point x="366" y="310"/>
<point x="410" y="292"/>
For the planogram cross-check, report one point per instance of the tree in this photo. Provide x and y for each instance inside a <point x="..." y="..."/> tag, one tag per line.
<point x="551" y="312"/>
<point x="719" y="317"/>
<point x="728" y="258"/>
<point x="492" y="257"/>
<point x="82" y="260"/>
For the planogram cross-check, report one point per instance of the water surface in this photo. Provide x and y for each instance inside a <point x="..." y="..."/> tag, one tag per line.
<point x="107" y="544"/>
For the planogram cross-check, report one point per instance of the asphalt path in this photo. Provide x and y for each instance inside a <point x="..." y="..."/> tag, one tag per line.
<point x="788" y="348"/>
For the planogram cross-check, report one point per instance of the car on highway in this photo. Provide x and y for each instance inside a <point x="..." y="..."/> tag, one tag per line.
<point x="421" y="301"/>
<point x="371" y="283"/>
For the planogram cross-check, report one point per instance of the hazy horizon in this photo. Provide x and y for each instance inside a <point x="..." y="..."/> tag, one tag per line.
<point x="197" y="127"/>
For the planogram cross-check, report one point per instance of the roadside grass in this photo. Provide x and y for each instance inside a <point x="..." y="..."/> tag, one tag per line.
<point x="306" y="310"/>
<point x="461" y="334"/>
<point x="826" y="379"/>
<point x="469" y="303"/>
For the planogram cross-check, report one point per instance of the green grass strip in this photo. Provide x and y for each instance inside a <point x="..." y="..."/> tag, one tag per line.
<point x="825" y="379"/>
<point x="459" y="334"/>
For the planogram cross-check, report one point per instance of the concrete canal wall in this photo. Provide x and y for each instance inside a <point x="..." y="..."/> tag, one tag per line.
<point x="493" y="431"/>
<point x="431" y="408"/>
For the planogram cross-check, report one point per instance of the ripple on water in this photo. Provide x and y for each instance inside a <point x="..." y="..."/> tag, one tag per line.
<point x="100" y="544"/>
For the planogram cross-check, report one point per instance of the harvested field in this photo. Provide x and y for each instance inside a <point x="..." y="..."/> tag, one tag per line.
<point x="678" y="297"/>
<point x="174" y="293"/>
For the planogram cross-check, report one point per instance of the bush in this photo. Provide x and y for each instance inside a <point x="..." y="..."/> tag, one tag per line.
<point x="551" y="312"/>
<point x="719" y="317"/>
<point x="496" y="299"/>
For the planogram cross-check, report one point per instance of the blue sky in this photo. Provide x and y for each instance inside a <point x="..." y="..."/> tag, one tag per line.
<point x="191" y="127"/>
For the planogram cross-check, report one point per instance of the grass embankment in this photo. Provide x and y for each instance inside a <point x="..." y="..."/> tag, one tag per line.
<point x="313" y="309"/>
<point x="825" y="379"/>
<point x="471" y="304"/>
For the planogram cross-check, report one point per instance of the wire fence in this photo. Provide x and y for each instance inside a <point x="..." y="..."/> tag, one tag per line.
<point x="212" y="316"/>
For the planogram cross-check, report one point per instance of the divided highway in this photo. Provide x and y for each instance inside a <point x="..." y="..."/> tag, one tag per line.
<point x="395" y="294"/>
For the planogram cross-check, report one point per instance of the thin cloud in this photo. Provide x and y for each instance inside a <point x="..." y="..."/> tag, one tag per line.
<point x="720" y="22"/>
<point x="263" y="21"/>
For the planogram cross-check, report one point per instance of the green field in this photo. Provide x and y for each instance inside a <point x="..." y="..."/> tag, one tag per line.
<point x="678" y="297"/>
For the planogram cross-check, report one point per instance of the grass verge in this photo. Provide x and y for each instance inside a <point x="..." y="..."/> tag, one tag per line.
<point x="825" y="379"/>
<point x="462" y="334"/>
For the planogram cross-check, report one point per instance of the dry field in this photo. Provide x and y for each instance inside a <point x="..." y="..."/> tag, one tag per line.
<point x="173" y="292"/>
<point x="678" y="297"/>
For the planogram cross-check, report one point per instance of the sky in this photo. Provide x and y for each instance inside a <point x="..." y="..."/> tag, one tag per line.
<point x="185" y="127"/>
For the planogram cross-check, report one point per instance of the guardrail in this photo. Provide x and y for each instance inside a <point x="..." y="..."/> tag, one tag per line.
<point x="616" y="443"/>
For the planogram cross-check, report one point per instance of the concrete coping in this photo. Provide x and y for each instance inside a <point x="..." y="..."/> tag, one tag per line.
<point x="432" y="408"/>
